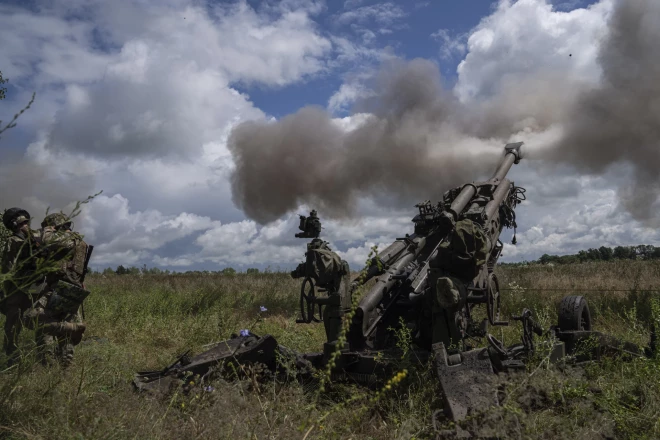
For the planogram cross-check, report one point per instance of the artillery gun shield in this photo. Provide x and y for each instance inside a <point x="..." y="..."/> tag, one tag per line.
<point x="226" y="358"/>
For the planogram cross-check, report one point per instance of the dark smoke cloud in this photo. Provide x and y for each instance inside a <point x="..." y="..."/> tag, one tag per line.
<point x="32" y="186"/>
<point x="409" y="149"/>
<point x="619" y="121"/>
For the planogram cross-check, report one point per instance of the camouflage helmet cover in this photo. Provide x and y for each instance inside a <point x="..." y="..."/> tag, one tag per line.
<point x="55" y="220"/>
<point x="13" y="217"/>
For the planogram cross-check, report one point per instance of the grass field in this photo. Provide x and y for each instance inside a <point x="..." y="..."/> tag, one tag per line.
<point x="144" y="322"/>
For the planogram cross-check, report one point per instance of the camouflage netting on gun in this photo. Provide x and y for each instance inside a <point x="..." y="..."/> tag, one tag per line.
<point x="465" y="252"/>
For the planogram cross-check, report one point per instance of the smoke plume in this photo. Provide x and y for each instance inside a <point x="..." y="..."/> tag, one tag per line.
<point x="619" y="121"/>
<point x="409" y="148"/>
<point x="419" y="140"/>
<point x="31" y="185"/>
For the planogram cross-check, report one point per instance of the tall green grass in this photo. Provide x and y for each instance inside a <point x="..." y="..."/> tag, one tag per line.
<point x="144" y="322"/>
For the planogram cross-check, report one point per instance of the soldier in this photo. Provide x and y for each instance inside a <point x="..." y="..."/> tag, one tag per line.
<point x="310" y="226"/>
<point x="456" y="264"/>
<point x="21" y="278"/>
<point x="323" y="269"/>
<point x="58" y="309"/>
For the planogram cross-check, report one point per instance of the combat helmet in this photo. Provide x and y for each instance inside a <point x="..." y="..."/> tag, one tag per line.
<point x="13" y="217"/>
<point x="56" y="220"/>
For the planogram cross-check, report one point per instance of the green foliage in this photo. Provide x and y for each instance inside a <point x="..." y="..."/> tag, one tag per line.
<point x="603" y="253"/>
<point x="606" y="253"/>
<point x="121" y="270"/>
<point x="12" y="123"/>
<point x="4" y="235"/>
<point x="3" y="90"/>
<point x="252" y="271"/>
<point x="228" y="271"/>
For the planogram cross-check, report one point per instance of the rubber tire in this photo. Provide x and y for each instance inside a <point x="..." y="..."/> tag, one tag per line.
<point x="574" y="314"/>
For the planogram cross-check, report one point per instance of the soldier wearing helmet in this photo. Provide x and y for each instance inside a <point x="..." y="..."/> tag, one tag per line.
<point x="22" y="280"/>
<point x="64" y="246"/>
<point x="58" y="308"/>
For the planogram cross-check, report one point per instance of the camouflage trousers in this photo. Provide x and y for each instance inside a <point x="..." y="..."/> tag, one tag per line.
<point x="56" y="348"/>
<point x="54" y="343"/>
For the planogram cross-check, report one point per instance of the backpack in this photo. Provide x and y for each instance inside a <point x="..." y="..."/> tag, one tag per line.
<point x="322" y="264"/>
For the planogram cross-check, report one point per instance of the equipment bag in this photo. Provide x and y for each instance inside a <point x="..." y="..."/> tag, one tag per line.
<point x="322" y="264"/>
<point x="66" y="299"/>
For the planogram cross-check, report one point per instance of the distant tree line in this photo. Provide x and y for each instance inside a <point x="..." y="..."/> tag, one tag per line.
<point x="144" y="270"/>
<point x="603" y="253"/>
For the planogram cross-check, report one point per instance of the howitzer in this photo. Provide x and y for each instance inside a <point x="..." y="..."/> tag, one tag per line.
<point x="408" y="267"/>
<point x="429" y="282"/>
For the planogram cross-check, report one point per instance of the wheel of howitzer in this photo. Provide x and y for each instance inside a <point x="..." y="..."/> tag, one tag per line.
<point x="308" y="301"/>
<point x="493" y="299"/>
<point x="574" y="314"/>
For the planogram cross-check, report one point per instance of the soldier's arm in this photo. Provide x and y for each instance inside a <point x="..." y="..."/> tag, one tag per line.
<point x="10" y="259"/>
<point x="12" y="254"/>
<point x="5" y="268"/>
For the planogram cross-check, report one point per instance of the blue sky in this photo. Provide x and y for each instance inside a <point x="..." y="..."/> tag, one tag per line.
<point x="411" y="39"/>
<point x="136" y="101"/>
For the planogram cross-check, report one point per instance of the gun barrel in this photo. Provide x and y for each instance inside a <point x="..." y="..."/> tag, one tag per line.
<point x="375" y="295"/>
<point x="512" y="156"/>
<point x="462" y="199"/>
<point x="385" y="259"/>
<point x="389" y="254"/>
<point x="502" y="191"/>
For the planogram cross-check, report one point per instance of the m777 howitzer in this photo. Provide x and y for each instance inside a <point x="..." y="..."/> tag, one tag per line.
<point x="428" y="283"/>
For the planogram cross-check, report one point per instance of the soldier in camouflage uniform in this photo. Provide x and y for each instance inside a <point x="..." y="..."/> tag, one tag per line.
<point x="454" y="267"/>
<point x="324" y="269"/>
<point x="22" y="282"/>
<point x="69" y="250"/>
<point x="58" y="309"/>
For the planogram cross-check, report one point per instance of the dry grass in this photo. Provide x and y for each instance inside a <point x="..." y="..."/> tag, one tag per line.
<point x="138" y="323"/>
